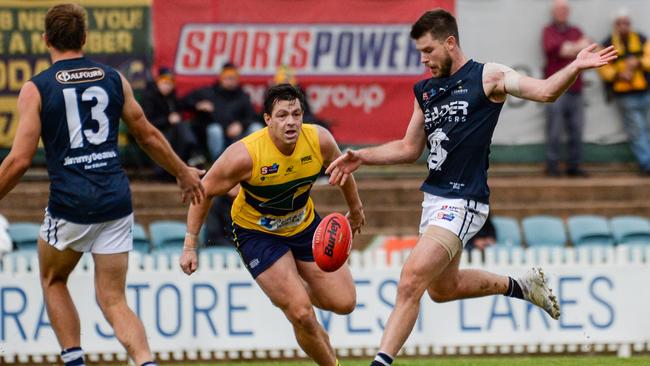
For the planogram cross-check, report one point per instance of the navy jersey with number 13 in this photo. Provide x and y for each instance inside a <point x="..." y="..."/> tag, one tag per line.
<point x="459" y="121"/>
<point x="81" y="105"/>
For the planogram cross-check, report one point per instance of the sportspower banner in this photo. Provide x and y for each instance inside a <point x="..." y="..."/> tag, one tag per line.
<point x="221" y="309"/>
<point x="118" y="35"/>
<point x="357" y="64"/>
<point x="354" y="59"/>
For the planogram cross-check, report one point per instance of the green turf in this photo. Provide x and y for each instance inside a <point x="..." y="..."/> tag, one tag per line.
<point x="471" y="361"/>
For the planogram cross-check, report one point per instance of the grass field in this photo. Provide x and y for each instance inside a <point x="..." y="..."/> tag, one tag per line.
<point x="471" y="361"/>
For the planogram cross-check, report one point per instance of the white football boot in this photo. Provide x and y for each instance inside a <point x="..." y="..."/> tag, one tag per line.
<point x="533" y="285"/>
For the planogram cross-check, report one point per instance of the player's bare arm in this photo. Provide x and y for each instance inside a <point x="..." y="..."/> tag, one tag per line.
<point x="406" y="150"/>
<point x="330" y="152"/>
<point x="156" y="146"/>
<point x="26" y="141"/>
<point x="232" y="167"/>
<point x="500" y="80"/>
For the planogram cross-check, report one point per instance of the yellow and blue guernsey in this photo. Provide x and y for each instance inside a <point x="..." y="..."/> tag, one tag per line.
<point x="276" y="199"/>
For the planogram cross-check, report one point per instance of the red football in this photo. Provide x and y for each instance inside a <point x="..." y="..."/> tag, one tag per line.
<point x="332" y="242"/>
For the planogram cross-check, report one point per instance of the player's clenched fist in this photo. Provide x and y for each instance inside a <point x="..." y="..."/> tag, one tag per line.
<point x="189" y="261"/>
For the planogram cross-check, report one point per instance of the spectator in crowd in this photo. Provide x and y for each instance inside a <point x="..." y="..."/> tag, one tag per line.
<point x="286" y="75"/>
<point x="162" y="108"/>
<point x="562" y="42"/>
<point x="224" y="112"/>
<point x="628" y="80"/>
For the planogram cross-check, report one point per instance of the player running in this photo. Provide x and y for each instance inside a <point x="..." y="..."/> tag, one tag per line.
<point x="454" y="114"/>
<point x="274" y="217"/>
<point x="75" y="106"/>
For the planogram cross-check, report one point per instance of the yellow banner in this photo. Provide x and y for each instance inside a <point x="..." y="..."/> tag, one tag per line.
<point x="118" y="35"/>
<point x="8" y="120"/>
<point x="48" y="3"/>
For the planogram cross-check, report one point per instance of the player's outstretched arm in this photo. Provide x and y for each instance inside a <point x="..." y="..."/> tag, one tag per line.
<point x="406" y="150"/>
<point x="233" y="166"/>
<point x="26" y="140"/>
<point x="500" y="80"/>
<point x="330" y="152"/>
<point x="154" y="143"/>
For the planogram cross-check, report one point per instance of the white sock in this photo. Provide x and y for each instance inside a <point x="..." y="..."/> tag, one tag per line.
<point x="73" y="356"/>
<point x="384" y="358"/>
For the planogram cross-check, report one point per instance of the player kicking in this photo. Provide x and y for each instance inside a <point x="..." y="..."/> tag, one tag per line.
<point x="455" y="113"/>
<point x="75" y="107"/>
<point x="274" y="218"/>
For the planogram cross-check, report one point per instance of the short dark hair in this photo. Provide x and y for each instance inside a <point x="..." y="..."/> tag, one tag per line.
<point x="65" y="27"/>
<point x="228" y="65"/>
<point x="282" y="92"/>
<point x="439" y="23"/>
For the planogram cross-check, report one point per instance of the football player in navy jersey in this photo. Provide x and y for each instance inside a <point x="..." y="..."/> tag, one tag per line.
<point x="75" y="106"/>
<point x="454" y="114"/>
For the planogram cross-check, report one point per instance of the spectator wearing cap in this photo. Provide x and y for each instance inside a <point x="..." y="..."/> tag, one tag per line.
<point x="628" y="82"/>
<point x="223" y="112"/>
<point x="161" y="107"/>
<point x="286" y="75"/>
<point x="561" y="42"/>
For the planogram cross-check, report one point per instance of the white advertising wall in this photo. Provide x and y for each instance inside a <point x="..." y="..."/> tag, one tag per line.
<point x="510" y="32"/>
<point x="220" y="311"/>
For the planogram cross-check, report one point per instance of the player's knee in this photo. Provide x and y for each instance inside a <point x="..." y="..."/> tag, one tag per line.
<point x="409" y="288"/>
<point x="349" y="305"/>
<point x="301" y="316"/>
<point x="437" y="296"/>
<point x="345" y="306"/>
<point x="49" y="278"/>
<point x="109" y="301"/>
<point x="444" y="293"/>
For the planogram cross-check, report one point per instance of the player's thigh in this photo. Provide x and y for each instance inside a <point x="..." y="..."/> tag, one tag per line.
<point x="115" y="236"/>
<point x="447" y="280"/>
<point x="282" y="284"/>
<point x="54" y="264"/>
<point x="331" y="289"/>
<point x="427" y="261"/>
<point x="110" y="277"/>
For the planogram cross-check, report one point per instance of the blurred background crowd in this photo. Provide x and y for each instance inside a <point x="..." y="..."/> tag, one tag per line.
<point x="200" y="77"/>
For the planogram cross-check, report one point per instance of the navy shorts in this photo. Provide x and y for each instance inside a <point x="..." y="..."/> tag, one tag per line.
<point x="260" y="250"/>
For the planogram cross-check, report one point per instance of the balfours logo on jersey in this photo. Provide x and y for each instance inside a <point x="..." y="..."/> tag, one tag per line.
<point x="79" y="75"/>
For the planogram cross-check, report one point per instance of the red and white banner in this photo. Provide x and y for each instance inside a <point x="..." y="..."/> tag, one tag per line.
<point x="354" y="59"/>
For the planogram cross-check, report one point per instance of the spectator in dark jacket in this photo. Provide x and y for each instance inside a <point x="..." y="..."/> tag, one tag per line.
<point x="162" y="108"/>
<point x="223" y="112"/>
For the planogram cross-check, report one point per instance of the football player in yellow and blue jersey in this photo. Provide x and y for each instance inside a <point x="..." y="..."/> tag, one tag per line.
<point x="274" y="217"/>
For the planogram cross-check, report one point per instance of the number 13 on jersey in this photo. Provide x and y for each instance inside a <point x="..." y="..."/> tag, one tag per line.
<point x="97" y="113"/>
